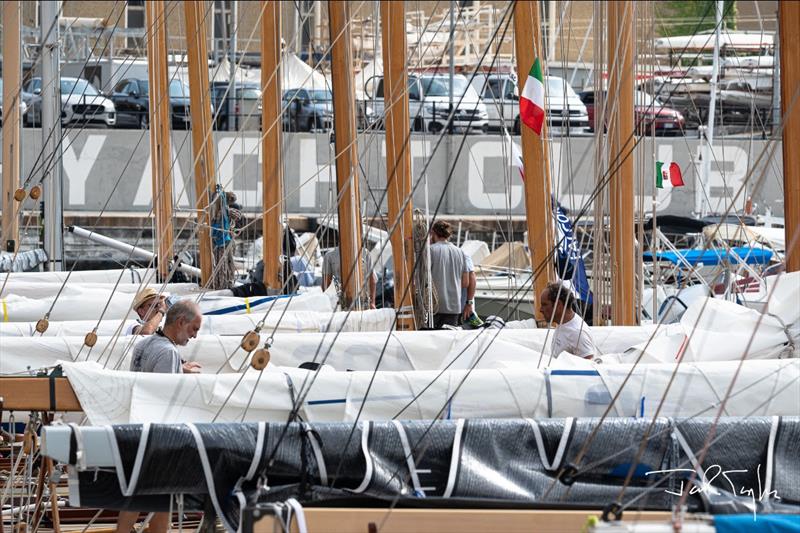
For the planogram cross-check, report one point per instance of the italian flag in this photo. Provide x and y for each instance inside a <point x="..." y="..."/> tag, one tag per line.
<point x="516" y="156"/>
<point x="531" y="102"/>
<point x="671" y="171"/>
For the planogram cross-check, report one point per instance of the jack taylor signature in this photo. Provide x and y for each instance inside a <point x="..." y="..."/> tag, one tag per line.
<point x="715" y="471"/>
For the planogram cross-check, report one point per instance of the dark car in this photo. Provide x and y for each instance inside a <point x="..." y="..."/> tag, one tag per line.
<point x="238" y="105"/>
<point x="307" y="110"/>
<point x="131" y="98"/>
<point x="650" y="115"/>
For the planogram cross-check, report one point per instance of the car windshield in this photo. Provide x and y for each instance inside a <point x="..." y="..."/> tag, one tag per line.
<point x="644" y="99"/>
<point x="440" y="86"/>
<point x="78" y="87"/>
<point x="320" y="95"/>
<point x="178" y="89"/>
<point x="249" y="93"/>
<point x="559" y="86"/>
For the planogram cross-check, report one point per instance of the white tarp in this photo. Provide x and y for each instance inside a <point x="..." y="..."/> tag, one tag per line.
<point x="762" y="388"/>
<point x="237" y="325"/>
<point x="90" y="304"/>
<point x="299" y="75"/>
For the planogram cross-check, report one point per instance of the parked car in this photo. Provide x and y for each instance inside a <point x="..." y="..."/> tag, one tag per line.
<point x="565" y="111"/>
<point x="312" y="110"/>
<point x="650" y="115"/>
<point x="246" y="104"/>
<point x="80" y="102"/>
<point x="23" y="104"/>
<point x="132" y="100"/>
<point x="429" y="103"/>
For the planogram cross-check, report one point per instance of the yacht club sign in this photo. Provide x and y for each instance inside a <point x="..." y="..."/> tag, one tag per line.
<point x="474" y="174"/>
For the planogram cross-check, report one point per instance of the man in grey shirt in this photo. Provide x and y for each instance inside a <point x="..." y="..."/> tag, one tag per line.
<point x="332" y="268"/>
<point x="159" y="352"/>
<point x="448" y="274"/>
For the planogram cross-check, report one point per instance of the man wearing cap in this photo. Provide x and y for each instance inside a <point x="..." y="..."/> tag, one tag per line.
<point x="151" y="308"/>
<point x="158" y="353"/>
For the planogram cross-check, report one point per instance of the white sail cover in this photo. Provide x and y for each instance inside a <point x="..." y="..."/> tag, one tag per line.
<point x="237" y="325"/>
<point x="762" y="388"/>
<point x="76" y="289"/>
<point x="395" y="351"/>
<point x="131" y="275"/>
<point x="90" y="305"/>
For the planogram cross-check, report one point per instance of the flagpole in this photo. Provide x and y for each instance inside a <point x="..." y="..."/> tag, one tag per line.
<point x="539" y="212"/>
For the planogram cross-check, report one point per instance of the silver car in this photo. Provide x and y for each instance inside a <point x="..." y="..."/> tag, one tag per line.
<point x="80" y="102"/>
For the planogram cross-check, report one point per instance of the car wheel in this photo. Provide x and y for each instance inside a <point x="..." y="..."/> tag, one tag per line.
<point x="312" y="125"/>
<point x="418" y="126"/>
<point x="516" y="129"/>
<point x="144" y="121"/>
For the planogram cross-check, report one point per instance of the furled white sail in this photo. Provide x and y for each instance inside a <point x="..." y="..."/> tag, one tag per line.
<point x="76" y="289"/>
<point x="761" y="388"/>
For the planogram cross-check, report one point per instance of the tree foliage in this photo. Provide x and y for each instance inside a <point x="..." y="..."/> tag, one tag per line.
<point x="687" y="17"/>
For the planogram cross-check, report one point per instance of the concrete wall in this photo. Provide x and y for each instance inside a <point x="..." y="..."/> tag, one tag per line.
<point x="99" y="164"/>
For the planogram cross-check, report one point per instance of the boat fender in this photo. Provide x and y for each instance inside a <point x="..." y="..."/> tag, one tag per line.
<point x="612" y="512"/>
<point x="250" y="341"/>
<point x="20" y="194"/>
<point x="260" y="359"/>
<point x="42" y="325"/>
<point x="91" y="339"/>
<point x="35" y="192"/>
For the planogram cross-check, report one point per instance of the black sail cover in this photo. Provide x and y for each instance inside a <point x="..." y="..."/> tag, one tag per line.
<point x="480" y="462"/>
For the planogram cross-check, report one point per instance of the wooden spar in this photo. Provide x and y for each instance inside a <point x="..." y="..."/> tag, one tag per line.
<point x="12" y="75"/>
<point x="789" y="20"/>
<point x="202" y="139"/>
<point x="398" y="157"/>
<point x="160" y="116"/>
<point x="271" y="142"/>
<point x="35" y="394"/>
<point x="359" y="520"/>
<point x="620" y="161"/>
<point x="346" y="151"/>
<point x="535" y="158"/>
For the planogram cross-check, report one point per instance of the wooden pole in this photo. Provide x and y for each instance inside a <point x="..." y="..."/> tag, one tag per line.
<point x="271" y="142"/>
<point x="620" y="161"/>
<point x="398" y="157"/>
<point x="12" y="75"/>
<point x="789" y="21"/>
<point x="346" y="151"/>
<point x="160" y="148"/>
<point x="538" y="208"/>
<point x="202" y="139"/>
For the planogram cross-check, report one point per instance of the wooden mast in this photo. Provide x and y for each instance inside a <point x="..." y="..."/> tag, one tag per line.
<point x="789" y="21"/>
<point x="346" y="151"/>
<point x="620" y="161"/>
<point x="271" y="142"/>
<point x="11" y="122"/>
<point x="202" y="140"/>
<point x="398" y="157"/>
<point x="160" y="149"/>
<point x="538" y="209"/>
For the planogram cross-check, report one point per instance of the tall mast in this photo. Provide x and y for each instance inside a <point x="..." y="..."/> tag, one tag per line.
<point x="701" y="206"/>
<point x="160" y="148"/>
<point x="271" y="142"/>
<point x="12" y="74"/>
<point x="346" y="151"/>
<point x="620" y="161"/>
<point x="789" y="21"/>
<point x="202" y="140"/>
<point x="535" y="158"/>
<point x="398" y="156"/>
<point x="52" y="141"/>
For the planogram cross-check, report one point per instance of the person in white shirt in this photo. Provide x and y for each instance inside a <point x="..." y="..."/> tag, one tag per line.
<point x="572" y="335"/>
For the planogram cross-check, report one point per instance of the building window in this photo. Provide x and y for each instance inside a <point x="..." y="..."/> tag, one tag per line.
<point x="134" y="20"/>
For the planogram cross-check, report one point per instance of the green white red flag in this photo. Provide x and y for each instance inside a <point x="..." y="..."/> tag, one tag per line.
<point x="669" y="171"/>
<point x="531" y="102"/>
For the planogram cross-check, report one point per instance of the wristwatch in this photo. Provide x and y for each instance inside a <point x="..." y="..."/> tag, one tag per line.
<point x="470" y="302"/>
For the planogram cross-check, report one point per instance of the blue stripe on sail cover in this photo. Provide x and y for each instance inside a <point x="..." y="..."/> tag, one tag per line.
<point x="254" y="303"/>
<point x="574" y="373"/>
